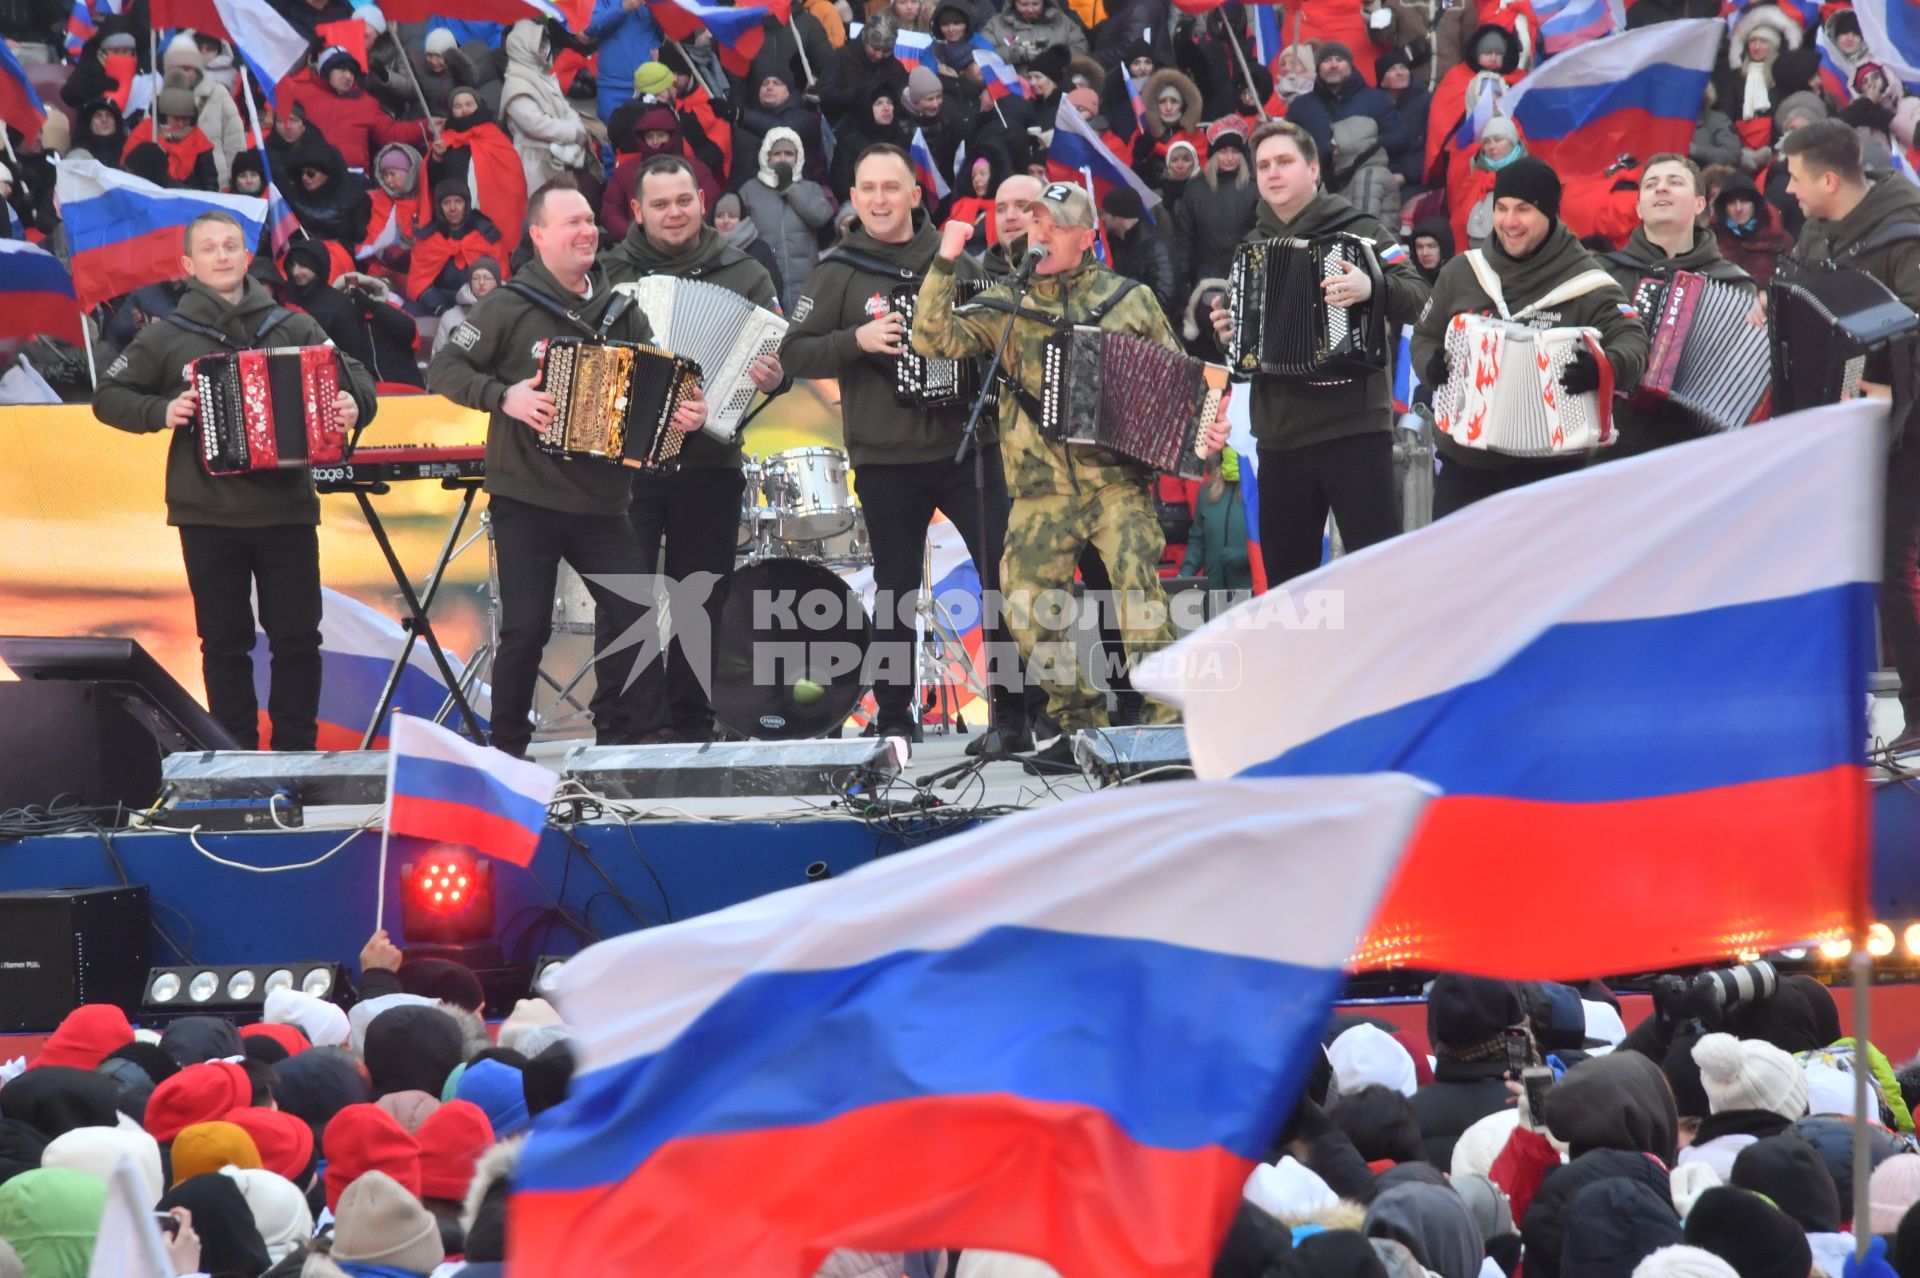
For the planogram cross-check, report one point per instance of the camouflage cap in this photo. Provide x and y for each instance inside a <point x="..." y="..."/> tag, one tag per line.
<point x="1067" y="204"/>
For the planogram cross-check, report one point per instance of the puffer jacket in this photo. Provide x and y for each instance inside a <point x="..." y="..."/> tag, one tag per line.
<point x="790" y="219"/>
<point x="1020" y="42"/>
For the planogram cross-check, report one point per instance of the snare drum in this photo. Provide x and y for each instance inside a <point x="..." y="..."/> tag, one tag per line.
<point x="807" y="488"/>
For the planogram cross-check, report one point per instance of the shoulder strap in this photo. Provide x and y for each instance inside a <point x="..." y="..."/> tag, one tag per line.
<point x="1620" y="257"/>
<point x="550" y="306"/>
<point x="178" y="320"/>
<point x="1895" y="233"/>
<point x="1489" y="282"/>
<point x="868" y="262"/>
<point x="1099" y="312"/>
<point x="1338" y="222"/>
<point x="611" y="316"/>
<point x="274" y="319"/>
<point x="1579" y="286"/>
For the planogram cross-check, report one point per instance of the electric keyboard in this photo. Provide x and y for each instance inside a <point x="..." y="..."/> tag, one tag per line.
<point x="402" y="463"/>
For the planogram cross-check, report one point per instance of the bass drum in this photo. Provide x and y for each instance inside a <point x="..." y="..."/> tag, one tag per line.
<point x="789" y="652"/>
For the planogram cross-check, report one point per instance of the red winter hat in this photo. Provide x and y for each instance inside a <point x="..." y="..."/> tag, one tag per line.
<point x="197" y="1094"/>
<point x="84" y="1039"/>
<point x="451" y="1142"/>
<point x="288" y="1036"/>
<point x="285" y="1142"/>
<point x="364" y="1138"/>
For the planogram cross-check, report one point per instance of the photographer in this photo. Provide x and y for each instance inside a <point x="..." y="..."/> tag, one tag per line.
<point x="387" y="333"/>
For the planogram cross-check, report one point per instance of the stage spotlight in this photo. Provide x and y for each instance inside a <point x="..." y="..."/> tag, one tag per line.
<point x="231" y="987"/>
<point x="1879" y="940"/>
<point x="1835" y="950"/>
<point x="546" y="974"/>
<point x="1911" y="939"/>
<point x="447" y="897"/>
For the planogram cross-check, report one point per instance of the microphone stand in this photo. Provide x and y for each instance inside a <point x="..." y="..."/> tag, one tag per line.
<point x="993" y="747"/>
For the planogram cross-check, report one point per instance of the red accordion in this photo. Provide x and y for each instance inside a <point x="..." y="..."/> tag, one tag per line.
<point x="270" y="409"/>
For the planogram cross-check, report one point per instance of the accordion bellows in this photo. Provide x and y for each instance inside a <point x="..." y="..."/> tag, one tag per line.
<point x="1504" y="394"/>
<point x="717" y="329"/>
<point x="1130" y="395"/>
<point x="1282" y="325"/>
<point x="271" y="409"/>
<point x="1705" y="359"/>
<point x="615" y="401"/>
<point x="923" y="382"/>
<point x="1824" y="326"/>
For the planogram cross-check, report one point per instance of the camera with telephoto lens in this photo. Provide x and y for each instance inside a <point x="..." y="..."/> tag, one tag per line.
<point x="1701" y="1003"/>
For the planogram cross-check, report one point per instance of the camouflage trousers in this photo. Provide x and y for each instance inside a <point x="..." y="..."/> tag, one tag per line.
<point x="1045" y="536"/>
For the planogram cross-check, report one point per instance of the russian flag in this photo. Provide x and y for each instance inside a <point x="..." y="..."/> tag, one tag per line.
<point x="81" y="25"/>
<point x="1267" y="38"/>
<point x="126" y="232"/>
<point x="1632" y="730"/>
<point x="1001" y="80"/>
<point x="1833" y="76"/>
<point x="20" y="103"/>
<point x="737" y="31"/>
<point x="1134" y="99"/>
<point x="1892" y="31"/>
<point x="1076" y="147"/>
<point x="282" y="222"/>
<point x="503" y="11"/>
<point x="914" y="49"/>
<point x="272" y="47"/>
<point x="442" y="786"/>
<point x="1637" y="93"/>
<point x="37" y="294"/>
<point x="1566" y="23"/>
<point x="923" y="168"/>
<point x="956" y="587"/>
<point x="1070" y="1035"/>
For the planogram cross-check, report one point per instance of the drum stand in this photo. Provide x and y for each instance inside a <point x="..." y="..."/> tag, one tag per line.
<point x="937" y="648"/>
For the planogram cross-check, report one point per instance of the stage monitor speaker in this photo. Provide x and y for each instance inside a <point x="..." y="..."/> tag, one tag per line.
<point x="1123" y="754"/>
<point x="316" y="778"/>
<point x="61" y="947"/>
<point x="75" y="742"/>
<point x="123" y="668"/>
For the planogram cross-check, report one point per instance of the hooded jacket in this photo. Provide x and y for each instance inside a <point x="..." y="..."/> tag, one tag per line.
<point x="623" y="186"/>
<point x="1433" y="1223"/>
<point x="50" y="1216"/>
<point x="382" y="336"/>
<point x="136" y="388"/>
<point x="790" y="218"/>
<point x="500" y="344"/>
<point x="339" y="210"/>
<point x="709" y="259"/>
<point x="1327" y="105"/>
<point x="1549" y="1214"/>
<point x="1618" y="1101"/>
<point x="58" y="1098"/>
<point x="441" y="248"/>
<point x="107" y="149"/>
<point x="1755" y="246"/>
<point x="1294" y="414"/>
<point x="1843" y="242"/>
<point x="536" y="112"/>
<point x="1623" y="339"/>
<point x="841" y="294"/>
<point x="402" y="209"/>
<point x="1612" y="1225"/>
<point x="230" y="1241"/>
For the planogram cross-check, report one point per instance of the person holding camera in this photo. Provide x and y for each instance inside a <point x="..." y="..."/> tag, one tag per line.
<point x="356" y="316"/>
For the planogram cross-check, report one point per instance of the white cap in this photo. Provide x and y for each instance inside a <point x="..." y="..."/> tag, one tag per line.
<point x="1367" y="1055"/>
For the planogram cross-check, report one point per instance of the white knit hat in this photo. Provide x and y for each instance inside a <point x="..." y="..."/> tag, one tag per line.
<point x="98" y="1150"/>
<point x="280" y="1210"/>
<point x="324" y="1024"/>
<point x="1894" y="1188"/>
<point x="1684" y="1262"/>
<point x="1480" y="1144"/>
<point x="1289" y="1192"/>
<point x="1367" y="1055"/>
<point x="1687" y="1182"/>
<point x="1746" y="1073"/>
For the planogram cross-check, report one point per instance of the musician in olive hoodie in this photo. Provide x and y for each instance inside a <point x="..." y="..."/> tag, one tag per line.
<point x="237" y="532"/>
<point x="546" y="509"/>
<point x="1531" y="253"/>
<point x="1673" y="197"/>
<point x="1324" y="445"/>
<point x="695" y="509"/>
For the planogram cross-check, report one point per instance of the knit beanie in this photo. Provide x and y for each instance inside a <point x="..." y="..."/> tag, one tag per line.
<point x="1531" y="180"/>
<point x="197" y="1094"/>
<point x="207" y="1147"/>
<point x="1683" y="1075"/>
<point x="1789" y="1172"/>
<point x="1894" y="1188"/>
<point x="85" y="1037"/>
<point x="98" y="1150"/>
<point x="324" y="1024"/>
<point x="1052" y="63"/>
<point x="364" y="1138"/>
<point x="1388" y="61"/>
<point x="651" y="79"/>
<point x="441" y="41"/>
<point x="1470" y="1013"/>
<point x="923" y="82"/>
<point x="1749" y="1074"/>
<point x="500" y="1091"/>
<point x="193" y="1039"/>
<point x="412" y="1049"/>
<point x="1683" y="1262"/>
<point x="1749" y="1233"/>
<point x="378" y="1221"/>
<point x="1184" y="145"/>
<point x="409" y="1108"/>
<point x="284" y="1141"/>
<point x="183" y="51"/>
<point x="1335" y="49"/>
<point x="273" y="1043"/>
<point x="451" y="1142"/>
<point x="176" y="100"/>
<point x="280" y="1210"/>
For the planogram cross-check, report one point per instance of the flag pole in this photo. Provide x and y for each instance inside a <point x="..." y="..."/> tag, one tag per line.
<point x="801" y="45"/>
<point x="86" y="344"/>
<point x="1246" y="72"/>
<point x="1100" y="232"/>
<point x="153" y="69"/>
<point x="1860" y="970"/>
<point x="693" y="68"/>
<point x="386" y="830"/>
<point x="419" y="93"/>
<point x="266" y="166"/>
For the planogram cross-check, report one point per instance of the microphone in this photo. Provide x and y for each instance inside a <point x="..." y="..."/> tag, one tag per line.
<point x="1033" y="258"/>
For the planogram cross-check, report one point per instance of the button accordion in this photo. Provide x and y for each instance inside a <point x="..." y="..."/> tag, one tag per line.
<point x="1282" y="324"/>
<point x="270" y="409"/>
<point x="1830" y="330"/>
<point x="1131" y="395"/>
<point x="717" y="329"/>
<point x="923" y="382"/>
<point x="614" y="401"/>
<point x="1705" y="359"/>
<point x="1504" y="393"/>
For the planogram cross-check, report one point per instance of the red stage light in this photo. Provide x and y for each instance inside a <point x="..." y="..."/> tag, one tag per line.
<point x="447" y="898"/>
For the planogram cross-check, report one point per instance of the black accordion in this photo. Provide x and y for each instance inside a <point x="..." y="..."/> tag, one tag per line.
<point x="1704" y="359"/>
<point x="1831" y="329"/>
<point x="920" y="382"/>
<point x="1131" y="395"/>
<point x="271" y="409"/>
<point x="614" y="401"/>
<point x="1282" y="325"/>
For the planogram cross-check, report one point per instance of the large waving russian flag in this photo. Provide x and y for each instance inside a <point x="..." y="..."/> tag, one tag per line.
<point x="126" y="232"/>
<point x="272" y="47"/>
<point x="1633" y="685"/>
<point x="36" y="294"/>
<point x="1070" y="1035"/>
<point x="1892" y="31"/>
<point x="20" y="103"/>
<point x="1638" y="93"/>
<point x="738" y="31"/>
<point x="1076" y="147"/>
<point x="442" y="786"/>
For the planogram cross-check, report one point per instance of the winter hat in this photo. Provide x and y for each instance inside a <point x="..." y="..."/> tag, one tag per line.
<point x="58" y="1099"/>
<point x="1388" y="61"/>
<point x="1433" y="1223"/>
<point x="410" y="1108"/>
<point x="1603" y="1022"/>
<point x="1894" y="1188"/>
<point x="85" y="1037"/>
<point x="451" y="1142"/>
<point x="1612" y="1225"/>
<point x="1687" y="1182"/>
<point x="316" y="1085"/>
<point x="441" y="41"/>
<point x="335" y="58"/>
<point x="271" y="1044"/>
<point x="230" y="1243"/>
<point x="1123" y="201"/>
<point x="1749" y="1233"/>
<point x="1684" y="1262"/>
<point x="197" y="1094"/>
<point x="1492" y="1210"/>
<point x="531" y="1014"/>
<point x="923" y="82"/>
<point x="51" y="1216"/>
<point x="280" y="1210"/>
<point x="98" y="1150"/>
<point x="1749" y="1074"/>
<point x="1052" y="63"/>
<point x="1289" y="1191"/>
<point x="1334" y="49"/>
<point x="1367" y="1054"/>
<point x="120" y="40"/>
<point x="394" y="158"/>
<point x="499" y="1090"/>
<point x="1789" y="1172"/>
<point x="1813" y="107"/>
<point x="21" y="1148"/>
<point x="1333" y="1252"/>
<point x="651" y="80"/>
<point x="207" y="1147"/>
<point x="183" y="51"/>
<point x="1481" y="1143"/>
<point x="324" y="1024"/>
<point x="1617" y="1101"/>
<point x="1843" y="23"/>
<point x="372" y="19"/>
<point x="176" y="100"/>
<point x="193" y="1039"/>
<point x="283" y="1141"/>
<point x="363" y="1138"/>
<point x="880" y="32"/>
<point x="1531" y="180"/>
<point x="549" y="1076"/>
<point x="1467" y="1012"/>
<point x="1683" y="1076"/>
<point x="1184" y="145"/>
<point x="1086" y="101"/>
<point x="1228" y="131"/>
<point x="412" y="1049"/>
<point x="379" y="1221"/>
<point x="442" y="979"/>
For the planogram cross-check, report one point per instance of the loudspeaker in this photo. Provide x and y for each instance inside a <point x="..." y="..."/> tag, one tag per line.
<point x="61" y="947"/>
<point x="73" y="741"/>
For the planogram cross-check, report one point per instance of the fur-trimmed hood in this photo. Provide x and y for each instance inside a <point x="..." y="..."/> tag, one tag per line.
<point x="494" y="1166"/>
<point x="1189" y="318"/>
<point x="1763" y="19"/>
<point x="1189" y="95"/>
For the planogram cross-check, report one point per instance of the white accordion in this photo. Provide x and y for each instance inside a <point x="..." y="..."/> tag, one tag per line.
<point x="717" y="329"/>
<point x="1504" y="394"/>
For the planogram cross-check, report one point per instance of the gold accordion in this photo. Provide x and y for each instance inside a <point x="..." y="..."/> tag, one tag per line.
<point x="614" y="401"/>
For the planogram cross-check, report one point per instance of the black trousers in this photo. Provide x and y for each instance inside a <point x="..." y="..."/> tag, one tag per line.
<point x="1899" y="594"/>
<point x="898" y="502"/>
<point x="1456" y="487"/>
<point x="695" y="512"/>
<point x="529" y="543"/>
<point x="224" y="568"/>
<point x="1351" y="476"/>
